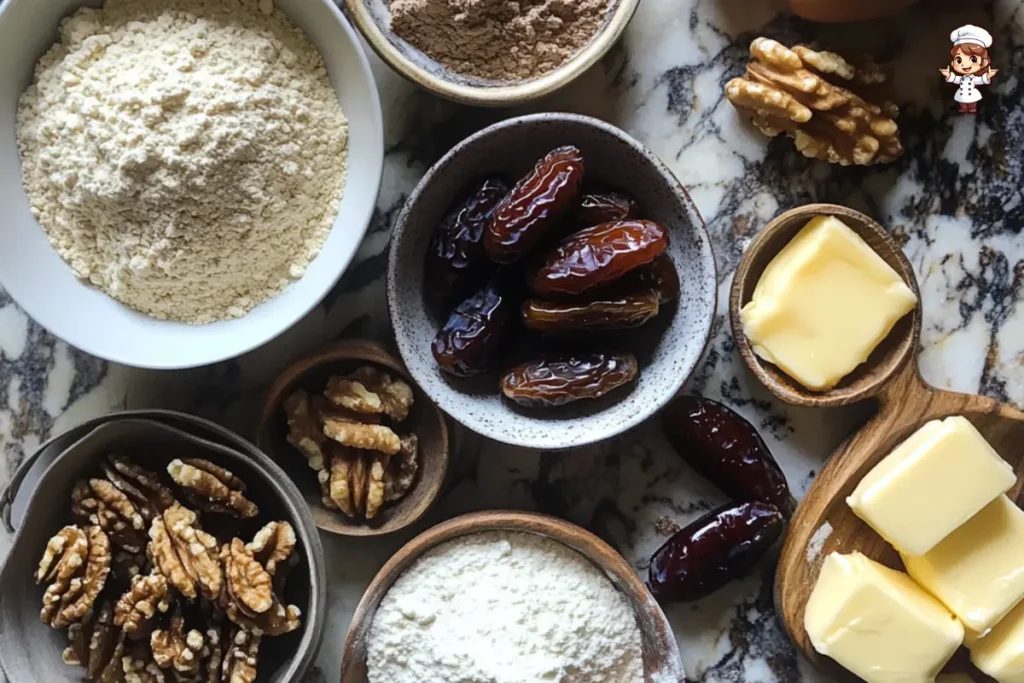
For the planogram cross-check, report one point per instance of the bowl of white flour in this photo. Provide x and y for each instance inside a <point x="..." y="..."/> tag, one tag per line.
<point x="182" y="180"/>
<point x="509" y="597"/>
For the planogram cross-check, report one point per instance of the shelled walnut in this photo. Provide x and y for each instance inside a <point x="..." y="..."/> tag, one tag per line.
<point x="98" y="502"/>
<point x="241" y="656"/>
<point x="75" y="564"/>
<point x="254" y="578"/>
<point x="833" y="110"/>
<point x="348" y="437"/>
<point x="211" y="488"/>
<point x="146" y="592"/>
<point x="177" y="649"/>
<point x="91" y="642"/>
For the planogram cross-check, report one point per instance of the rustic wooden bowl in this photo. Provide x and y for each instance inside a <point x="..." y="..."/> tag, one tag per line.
<point x="891" y="355"/>
<point x="905" y="403"/>
<point x="660" y="652"/>
<point x="425" y="420"/>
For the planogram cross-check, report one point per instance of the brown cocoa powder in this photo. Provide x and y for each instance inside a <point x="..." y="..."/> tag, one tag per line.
<point x="499" y="40"/>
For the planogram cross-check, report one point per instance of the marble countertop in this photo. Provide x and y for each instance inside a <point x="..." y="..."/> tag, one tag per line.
<point x="955" y="202"/>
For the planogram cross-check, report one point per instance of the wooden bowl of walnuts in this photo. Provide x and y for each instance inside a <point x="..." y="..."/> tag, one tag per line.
<point x="367" y="449"/>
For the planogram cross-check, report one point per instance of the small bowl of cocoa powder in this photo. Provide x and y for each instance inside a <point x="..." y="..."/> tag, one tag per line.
<point x="491" y="52"/>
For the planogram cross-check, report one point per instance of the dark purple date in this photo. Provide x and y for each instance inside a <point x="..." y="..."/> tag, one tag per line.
<point x="456" y="262"/>
<point x="558" y="380"/>
<point x="726" y="449"/>
<point x="720" y="547"/>
<point x="612" y="313"/>
<point x="533" y="208"/>
<point x="596" y="257"/>
<point x="469" y="343"/>
<point x="660" y="276"/>
<point x="605" y="207"/>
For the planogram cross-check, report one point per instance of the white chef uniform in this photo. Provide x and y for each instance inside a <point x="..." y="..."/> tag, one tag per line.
<point x="968" y="90"/>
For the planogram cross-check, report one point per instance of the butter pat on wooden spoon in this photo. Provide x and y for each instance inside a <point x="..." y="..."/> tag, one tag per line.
<point x="823" y="304"/>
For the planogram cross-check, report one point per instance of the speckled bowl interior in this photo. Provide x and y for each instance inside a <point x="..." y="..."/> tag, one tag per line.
<point x="667" y="348"/>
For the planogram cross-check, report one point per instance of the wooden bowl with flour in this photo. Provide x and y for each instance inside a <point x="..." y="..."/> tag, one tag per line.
<point x="660" y="654"/>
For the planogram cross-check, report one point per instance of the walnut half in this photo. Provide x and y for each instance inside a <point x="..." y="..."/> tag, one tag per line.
<point x="357" y="484"/>
<point x="147" y="596"/>
<point x="831" y="109"/>
<point x="211" y="488"/>
<point x="76" y="563"/>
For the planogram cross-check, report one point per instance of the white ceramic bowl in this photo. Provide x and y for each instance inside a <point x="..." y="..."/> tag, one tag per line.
<point x="36" y="277"/>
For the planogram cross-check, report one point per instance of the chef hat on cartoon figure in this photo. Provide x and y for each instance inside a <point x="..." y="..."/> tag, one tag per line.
<point x="971" y="34"/>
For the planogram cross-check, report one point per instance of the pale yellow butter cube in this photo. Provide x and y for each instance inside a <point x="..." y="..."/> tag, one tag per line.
<point x="933" y="482"/>
<point x="978" y="570"/>
<point x="823" y="304"/>
<point x="878" y="623"/>
<point x="1000" y="652"/>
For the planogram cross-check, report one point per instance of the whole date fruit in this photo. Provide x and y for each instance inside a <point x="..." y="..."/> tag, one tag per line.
<point x="597" y="256"/>
<point x="660" y="275"/>
<point x="720" y="547"/>
<point x="559" y="380"/>
<point x="605" y="207"/>
<point x="611" y="313"/>
<point x="726" y="449"/>
<point x="470" y="341"/>
<point x="535" y="205"/>
<point x="456" y="262"/>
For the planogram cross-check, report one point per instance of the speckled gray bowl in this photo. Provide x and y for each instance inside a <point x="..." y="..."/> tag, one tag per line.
<point x="668" y="348"/>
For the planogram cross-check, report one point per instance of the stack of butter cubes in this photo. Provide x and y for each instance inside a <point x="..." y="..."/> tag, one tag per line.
<point x="940" y="499"/>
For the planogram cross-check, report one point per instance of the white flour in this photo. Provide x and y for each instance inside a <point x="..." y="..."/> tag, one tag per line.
<point x="501" y="607"/>
<point x="185" y="156"/>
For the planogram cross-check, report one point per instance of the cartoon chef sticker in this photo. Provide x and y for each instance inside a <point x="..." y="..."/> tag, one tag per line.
<point x="970" y="65"/>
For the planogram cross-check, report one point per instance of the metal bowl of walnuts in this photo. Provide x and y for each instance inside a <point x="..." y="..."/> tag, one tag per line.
<point x="156" y="546"/>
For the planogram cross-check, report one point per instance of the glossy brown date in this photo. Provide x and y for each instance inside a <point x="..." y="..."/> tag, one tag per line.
<point x="469" y="343"/>
<point x="456" y="262"/>
<point x="660" y="276"/>
<point x="720" y="547"/>
<point x="535" y="205"/>
<point x="612" y="313"/>
<point x="726" y="449"/>
<point x="597" y="256"/>
<point x="559" y="380"/>
<point x="605" y="207"/>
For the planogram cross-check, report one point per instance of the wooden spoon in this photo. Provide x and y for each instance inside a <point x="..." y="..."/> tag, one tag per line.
<point x="888" y="358"/>
<point x="905" y="402"/>
<point x="425" y="420"/>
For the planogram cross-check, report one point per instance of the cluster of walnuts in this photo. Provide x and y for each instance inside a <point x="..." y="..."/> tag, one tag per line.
<point x="361" y="462"/>
<point x="147" y="595"/>
<point x="832" y="110"/>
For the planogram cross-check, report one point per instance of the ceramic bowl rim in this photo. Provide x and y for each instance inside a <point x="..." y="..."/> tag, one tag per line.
<point x="293" y="314"/>
<point x="440" y="398"/>
<point x="495" y="96"/>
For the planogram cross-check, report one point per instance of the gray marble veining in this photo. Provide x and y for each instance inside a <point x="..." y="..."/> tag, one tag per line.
<point x="955" y="201"/>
